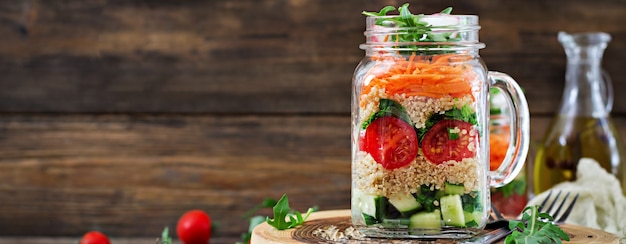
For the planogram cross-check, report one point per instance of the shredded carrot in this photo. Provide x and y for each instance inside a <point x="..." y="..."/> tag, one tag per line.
<point x="432" y="76"/>
<point x="498" y="145"/>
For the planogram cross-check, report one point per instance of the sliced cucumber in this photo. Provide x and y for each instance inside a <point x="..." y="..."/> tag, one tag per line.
<point x="405" y="203"/>
<point x="454" y="189"/>
<point x="365" y="202"/>
<point x="472" y="219"/>
<point x="452" y="210"/>
<point x="426" y="220"/>
<point x="369" y="220"/>
<point x="439" y="194"/>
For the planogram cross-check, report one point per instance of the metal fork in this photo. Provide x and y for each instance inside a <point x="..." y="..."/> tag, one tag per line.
<point x="558" y="219"/>
<point x="496" y="218"/>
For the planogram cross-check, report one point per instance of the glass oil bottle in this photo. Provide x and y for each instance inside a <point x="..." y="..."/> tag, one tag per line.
<point x="582" y="128"/>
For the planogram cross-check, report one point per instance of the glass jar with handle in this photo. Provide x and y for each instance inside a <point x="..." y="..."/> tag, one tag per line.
<point x="420" y="128"/>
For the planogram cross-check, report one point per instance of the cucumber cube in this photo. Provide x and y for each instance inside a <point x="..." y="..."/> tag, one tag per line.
<point x="454" y="189"/>
<point x="405" y="203"/>
<point x="452" y="210"/>
<point x="365" y="202"/>
<point x="426" y="220"/>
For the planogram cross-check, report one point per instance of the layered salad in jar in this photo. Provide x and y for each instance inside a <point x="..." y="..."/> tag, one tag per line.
<point x="416" y="162"/>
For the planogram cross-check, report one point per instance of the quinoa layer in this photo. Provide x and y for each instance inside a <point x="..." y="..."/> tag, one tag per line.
<point x="371" y="178"/>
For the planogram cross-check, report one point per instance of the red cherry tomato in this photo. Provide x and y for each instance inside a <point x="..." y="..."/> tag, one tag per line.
<point x="391" y="141"/>
<point x="511" y="205"/>
<point x="94" y="237"/>
<point x="449" y="140"/>
<point x="194" y="227"/>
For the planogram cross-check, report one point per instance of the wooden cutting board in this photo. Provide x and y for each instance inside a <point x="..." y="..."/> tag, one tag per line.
<point x="325" y="220"/>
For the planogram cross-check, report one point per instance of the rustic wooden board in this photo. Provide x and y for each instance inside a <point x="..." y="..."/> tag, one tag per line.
<point x="340" y="220"/>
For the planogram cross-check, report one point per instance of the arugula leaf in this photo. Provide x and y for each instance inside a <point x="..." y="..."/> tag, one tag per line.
<point x="271" y="203"/>
<point x="471" y="224"/>
<point x="447" y="10"/>
<point x="517" y="186"/>
<point x="471" y="202"/>
<point x="254" y="221"/>
<point x="426" y="197"/>
<point x="382" y="12"/>
<point x="282" y="211"/>
<point x="388" y="107"/>
<point x="414" y="29"/>
<point x="165" y="238"/>
<point x="267" y="203"/>
<point x="535" y="227"/>
<point x="281" y="208"/>
<point x="463" y="114"/>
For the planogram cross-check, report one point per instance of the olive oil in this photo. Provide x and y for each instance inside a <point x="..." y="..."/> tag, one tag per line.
<point x="569" y="139"/>
<point x="583" y="127"/>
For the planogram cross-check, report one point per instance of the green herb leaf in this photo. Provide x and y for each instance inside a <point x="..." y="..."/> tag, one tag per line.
<point x="517" y="186"/>
<point x="271" y="203"/>
<point x="472" y="223"/>
<point x="416" y="29"/>
<point x="535" y="227"/>
<point x="471" y="202"/>
<point x="464" y="114"/>
<point x="165" y="238"/>
<point x="388" y="107"/>
<point x="282" y="211"/>
<point x="267" y="203"/>
<point x="427" y="197"/>
<point x="453" y="135"/>
<point x="447" y="10"/>
<point x="382" y="12"/>
<point x="254" y="221"/>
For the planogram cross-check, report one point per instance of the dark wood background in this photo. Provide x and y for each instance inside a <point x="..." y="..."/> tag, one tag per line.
<point x="119" y="115"/>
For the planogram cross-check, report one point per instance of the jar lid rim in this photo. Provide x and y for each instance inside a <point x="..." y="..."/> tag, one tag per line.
<point x="466" y="19"/>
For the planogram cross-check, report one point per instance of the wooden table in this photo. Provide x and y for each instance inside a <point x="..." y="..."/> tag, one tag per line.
<point x="74" y="240"/>
<point x="264" y="233"/>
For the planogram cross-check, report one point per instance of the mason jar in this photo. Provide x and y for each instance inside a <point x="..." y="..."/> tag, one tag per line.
<point x="420" y="130"/>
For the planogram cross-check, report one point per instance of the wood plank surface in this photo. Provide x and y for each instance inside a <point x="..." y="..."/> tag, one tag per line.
<point x="121" y="115"/>
<point x="115" y="240"/>
<point x="132" y="176"/>
<point x="277" y="56"/>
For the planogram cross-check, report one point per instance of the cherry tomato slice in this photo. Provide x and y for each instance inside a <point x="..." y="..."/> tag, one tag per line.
<point x="449" y="140"/>
<point x="391" y="141"/>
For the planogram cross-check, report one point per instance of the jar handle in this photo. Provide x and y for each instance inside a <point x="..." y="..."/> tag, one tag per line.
<point x="520" y="129"/>
<point x="608" y="90"/>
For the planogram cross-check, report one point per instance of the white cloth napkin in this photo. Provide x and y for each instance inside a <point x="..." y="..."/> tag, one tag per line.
<point x="601" y="204"/>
